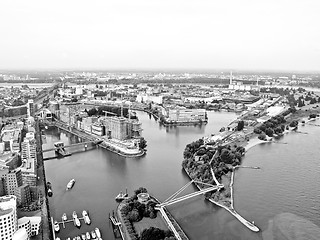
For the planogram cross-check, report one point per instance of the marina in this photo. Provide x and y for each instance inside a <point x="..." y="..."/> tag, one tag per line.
<point x="86" y="219"/>
<point x="93" y="234"/>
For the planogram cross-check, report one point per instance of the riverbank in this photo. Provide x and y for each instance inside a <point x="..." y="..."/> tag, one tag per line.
<point x="230" y="209"/>
<point x="46" y="229"/>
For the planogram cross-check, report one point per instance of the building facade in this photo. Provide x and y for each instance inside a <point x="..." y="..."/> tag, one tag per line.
<point x="30" y="108"/>
<point x="8" y="217"/>
<point x="13" y="179"/>
<point x="23" y="194"/>
<point x="185" y="115"/>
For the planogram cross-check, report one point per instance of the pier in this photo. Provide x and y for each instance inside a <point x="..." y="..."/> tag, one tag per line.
<point x="247" y="167"/>
<point x="63" y="222"/>
<point x="116" y="226"/>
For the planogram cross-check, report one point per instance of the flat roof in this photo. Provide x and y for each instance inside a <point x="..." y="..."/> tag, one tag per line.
<point x="5" y="211"/>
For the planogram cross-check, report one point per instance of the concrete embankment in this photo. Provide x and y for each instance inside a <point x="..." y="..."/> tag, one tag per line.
<point x="46" y="229"/>
<point x="113" y="147"/>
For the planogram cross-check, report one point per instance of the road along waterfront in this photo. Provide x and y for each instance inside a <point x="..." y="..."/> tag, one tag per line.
<point x="100" y="175"/>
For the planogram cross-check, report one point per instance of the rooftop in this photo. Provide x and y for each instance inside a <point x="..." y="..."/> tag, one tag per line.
<point x="5" y="211"/>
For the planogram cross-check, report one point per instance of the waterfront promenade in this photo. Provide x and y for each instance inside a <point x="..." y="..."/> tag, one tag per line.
<point x="45" y="232"/>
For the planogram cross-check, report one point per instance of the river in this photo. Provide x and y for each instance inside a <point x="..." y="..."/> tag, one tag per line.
<point x="285" y="183"/>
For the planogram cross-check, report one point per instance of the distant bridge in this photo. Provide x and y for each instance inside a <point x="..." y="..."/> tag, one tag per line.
<point x="72" y="145"/>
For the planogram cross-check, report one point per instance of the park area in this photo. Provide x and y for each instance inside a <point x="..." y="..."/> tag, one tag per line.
<point x="146" y="223"/>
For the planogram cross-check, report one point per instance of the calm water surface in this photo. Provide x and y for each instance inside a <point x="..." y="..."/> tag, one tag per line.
<point x="285" y="183"/>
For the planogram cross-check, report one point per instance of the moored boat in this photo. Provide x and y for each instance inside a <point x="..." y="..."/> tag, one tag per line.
<point x="121" y="196"/>
<point x="70" y="184"/>
<point x="83" y="236"/>
<point x="76" y="220"/>
<point x="97" y="230"/>
<point x="64" y="217"/>
<point x="93" y="234"/>
<point x="86" y="217"/>
<point x="56" y="226"/>
<point x="49" y="187"/>
<point x="88" y="235"/>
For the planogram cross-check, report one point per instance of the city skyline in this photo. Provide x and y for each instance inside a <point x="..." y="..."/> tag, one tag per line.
<point x="168" y="35"/>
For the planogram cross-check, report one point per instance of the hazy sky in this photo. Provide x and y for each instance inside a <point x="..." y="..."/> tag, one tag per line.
<point x="160" y="34"/>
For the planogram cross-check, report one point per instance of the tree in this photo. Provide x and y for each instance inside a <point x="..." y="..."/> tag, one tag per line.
<point x="126" y="209"/>
<point x="140" y="190"/>
<point x="152" y="233"/>
<point x="92" y="112"/>
<point x="313" y="115"/>
<point x="269" y="132"/>
<point x="294" y="123"/>
<point x="240" y="125"/>
<point x="142" y="143"/>
<point x="262" y="136"/>
<point x="134" y="215"/>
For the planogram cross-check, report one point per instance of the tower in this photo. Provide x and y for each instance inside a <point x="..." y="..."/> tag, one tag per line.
<point x="230" y="77"/>
<point x="30" y="108"/>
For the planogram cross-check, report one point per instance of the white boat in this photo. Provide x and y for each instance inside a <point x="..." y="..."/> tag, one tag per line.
<point x="97" y="232"/>
<point x="68" y="238"/>
<point x="93" y="234"/>
<point x="121" y="196"/>
<point x="86" y="217"/>
<point x="88" y="235"/>
<point x="78" y="238"/>
<point x="56" y="226"/>
<point x="83" y="236"/>
<point x="76" y="220"/>
<point x="57" y="238"/>
<point x="70" y="184"/>
<point x="64" y="217"/>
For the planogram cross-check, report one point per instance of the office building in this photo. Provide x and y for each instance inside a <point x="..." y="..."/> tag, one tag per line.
<point x="30" y="108"/>
<point x="8" y="217"/>
<point x="23" y="194"/>
<point x="12" y="179"/>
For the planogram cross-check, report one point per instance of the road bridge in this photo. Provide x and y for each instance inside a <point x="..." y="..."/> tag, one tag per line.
<point x="73" y="145"/>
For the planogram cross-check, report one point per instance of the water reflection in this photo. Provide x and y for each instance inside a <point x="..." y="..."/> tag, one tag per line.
<point x="288" y="226"/>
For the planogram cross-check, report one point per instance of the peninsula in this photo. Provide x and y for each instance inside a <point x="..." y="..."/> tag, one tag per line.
<point x="214" y="159"/>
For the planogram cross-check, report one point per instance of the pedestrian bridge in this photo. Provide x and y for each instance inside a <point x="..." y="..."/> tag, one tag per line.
<point x="174" y="199"/>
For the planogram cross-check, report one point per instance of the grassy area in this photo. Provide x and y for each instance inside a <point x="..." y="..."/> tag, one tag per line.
<point x="146" y="223"/>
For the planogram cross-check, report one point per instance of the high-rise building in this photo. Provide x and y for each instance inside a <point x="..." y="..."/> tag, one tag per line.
<point x="29" y="154"/>
<point x="8" y="217"/>
<point x="12" y="179"/>
<point x="23" y="194"/>
<point x="30" y="108"/>
<point x="121" y="128"/>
